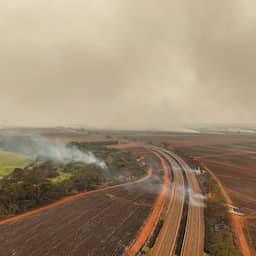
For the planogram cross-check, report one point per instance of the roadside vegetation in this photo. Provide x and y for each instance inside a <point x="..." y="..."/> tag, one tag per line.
<point x="44" y="181"/>
<point x="219" y="240"/>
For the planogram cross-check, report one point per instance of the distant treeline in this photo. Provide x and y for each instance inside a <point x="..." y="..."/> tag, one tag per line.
<point x="95" y="143"/>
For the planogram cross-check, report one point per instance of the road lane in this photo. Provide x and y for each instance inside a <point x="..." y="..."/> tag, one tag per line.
<point x="193" y="243"/>
<point x="166" y="241"/>
<point x="193" y="240"/>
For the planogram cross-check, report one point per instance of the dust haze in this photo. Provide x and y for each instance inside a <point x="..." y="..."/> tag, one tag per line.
<point x="127" y="64"/>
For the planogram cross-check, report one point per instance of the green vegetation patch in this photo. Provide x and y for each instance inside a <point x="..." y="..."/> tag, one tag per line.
<point x="147" y="251"/>
<point x="61" y="177"/>
<point x="9" y="161"/>
<point x="223" y="249"/>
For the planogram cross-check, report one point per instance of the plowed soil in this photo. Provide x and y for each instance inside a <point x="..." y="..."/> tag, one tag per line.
<point x="232" y="159"/>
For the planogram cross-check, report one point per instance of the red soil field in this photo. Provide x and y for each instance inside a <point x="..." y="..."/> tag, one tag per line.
<point x="239" y="184"/>
<point x="105" y="222"/>
<point x="237" y="222"/>
<point x="235" y="166"/>
<point x="232" y="159"/>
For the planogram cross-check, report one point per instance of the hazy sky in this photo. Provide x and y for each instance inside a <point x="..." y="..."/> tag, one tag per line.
<point x="127" y="64"/>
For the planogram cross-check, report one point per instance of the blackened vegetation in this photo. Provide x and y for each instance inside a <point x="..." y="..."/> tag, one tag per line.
<point x="41" y="182"/>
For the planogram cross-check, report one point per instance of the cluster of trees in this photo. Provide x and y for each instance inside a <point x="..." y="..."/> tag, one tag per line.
<point x="119" y="162"/>
<point x="33" y="186"/>
<point x="17" y="197"/>
<point x="19" y="194"/>
<point x="93" y="144"/>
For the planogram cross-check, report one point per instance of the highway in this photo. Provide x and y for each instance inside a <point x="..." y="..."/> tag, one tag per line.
<point x="183" y="229"/>
<point x="194" y="236"/>
<point x="166" y="241"/>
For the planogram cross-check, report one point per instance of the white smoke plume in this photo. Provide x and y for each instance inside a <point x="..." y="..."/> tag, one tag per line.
<point x="61" y="152"/>
<point x="195" y="199"/>
<point x="40" y="147"/>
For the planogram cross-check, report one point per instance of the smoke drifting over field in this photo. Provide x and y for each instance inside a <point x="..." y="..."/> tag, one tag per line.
<point x="127" y="64"/>
<point x="39" y="147"/>
<point x="61" y="152"/>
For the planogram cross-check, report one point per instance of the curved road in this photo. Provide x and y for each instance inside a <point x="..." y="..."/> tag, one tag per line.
<point x="93" y="220"/>
<point x="193" y="239"/>
<point x="166" y="241"/>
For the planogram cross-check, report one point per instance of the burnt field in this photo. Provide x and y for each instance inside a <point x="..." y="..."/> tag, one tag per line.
<point x="101" y="223"/>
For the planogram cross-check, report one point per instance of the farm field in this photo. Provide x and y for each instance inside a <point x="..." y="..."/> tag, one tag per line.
<point x="235" y="166"/>
<point x="9" y="161"/>
<point x="233" y="160"/>
<point x="231" y="157"/>
<point x="102" y="223"/>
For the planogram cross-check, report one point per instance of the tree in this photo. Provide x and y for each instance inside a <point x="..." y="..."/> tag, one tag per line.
<point x="223" y="249"/>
